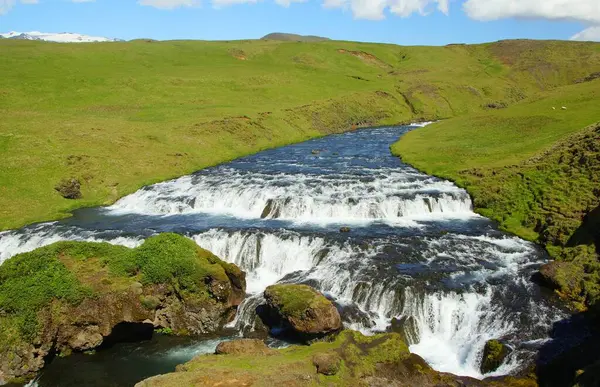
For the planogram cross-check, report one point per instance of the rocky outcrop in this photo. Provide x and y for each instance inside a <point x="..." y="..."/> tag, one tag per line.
<point x="299" y="311"/>
<point x="114" y="308"/>
<point x="494" y="355"/>
<point x="350" y="360"/>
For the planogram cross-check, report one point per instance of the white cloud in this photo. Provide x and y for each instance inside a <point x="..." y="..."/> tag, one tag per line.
<point x="375" y="9"/>
<point x="589" y="34"/>
<point x="169" y="4"/>
<point x="577" y="10"/>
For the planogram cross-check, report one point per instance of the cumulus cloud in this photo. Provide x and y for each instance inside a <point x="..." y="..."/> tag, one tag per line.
<point x="576" y="10"/>
<point x="585" y="11"/>
<point x="375" y="9"/>
<point x="589" y="34"/>
<point x="170" y="4"/>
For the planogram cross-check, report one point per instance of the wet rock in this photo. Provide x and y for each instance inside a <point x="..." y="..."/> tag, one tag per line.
<point x="315" y="151"/>
<point x="243" y="347"/>
<point x="345" y="229"/>
<point x="69" y="188"/>
<point x="328" y="363"/>
<point x="406" y="327"/>
<point x="299" y="311"/>
<point x="494" y="354"/>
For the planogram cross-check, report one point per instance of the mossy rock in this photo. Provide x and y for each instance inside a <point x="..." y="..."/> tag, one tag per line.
<point x="566" y="278"/>
<point x="71" y="296"/>
<point x="299" y="311"/>
<point x="494" y="355"/>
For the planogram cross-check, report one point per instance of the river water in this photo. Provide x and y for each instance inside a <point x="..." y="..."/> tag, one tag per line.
<point x="415" y="250"/>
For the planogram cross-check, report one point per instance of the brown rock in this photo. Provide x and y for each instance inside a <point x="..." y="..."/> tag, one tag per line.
<point x="243" y="347"/>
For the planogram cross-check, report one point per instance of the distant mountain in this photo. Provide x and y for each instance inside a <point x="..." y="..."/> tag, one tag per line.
<point x="63" y="37"/>
<point x="293" y="37"/>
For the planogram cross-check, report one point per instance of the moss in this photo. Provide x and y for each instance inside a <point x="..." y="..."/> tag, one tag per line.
<point x="294" y="300"/>
<point x="176" y="260"/>
<point x="494" y="354"/>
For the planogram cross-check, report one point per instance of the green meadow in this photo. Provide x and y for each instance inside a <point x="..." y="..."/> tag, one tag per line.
<point x="117" y="116"/>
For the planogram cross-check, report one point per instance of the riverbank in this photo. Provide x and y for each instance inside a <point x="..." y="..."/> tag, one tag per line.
<point x="130" y="114"/>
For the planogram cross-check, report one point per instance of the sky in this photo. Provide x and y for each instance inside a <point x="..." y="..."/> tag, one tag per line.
<point x="406" y="22"/>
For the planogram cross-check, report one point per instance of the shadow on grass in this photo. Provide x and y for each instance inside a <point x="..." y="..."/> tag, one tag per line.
<point x="588" y="232"/>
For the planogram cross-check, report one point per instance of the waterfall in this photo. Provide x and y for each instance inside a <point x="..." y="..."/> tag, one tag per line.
<point x="31" y="238"/>
<point x="389" y="196"/>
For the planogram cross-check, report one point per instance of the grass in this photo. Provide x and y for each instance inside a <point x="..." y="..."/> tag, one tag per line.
<point x="118" y="116"/>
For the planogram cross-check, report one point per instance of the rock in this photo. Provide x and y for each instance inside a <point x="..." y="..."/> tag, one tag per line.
<point x="88" y="338"/>
<point x="108" y="310"/>
<point x="406" y="326"/>
<point x="327" y="363"/>
<point x="345" y="229"/>
<point x="243" y="347"/>
<point x="563" y="277"/>
<point x="494" y="354"/>
<point x="299" y="311"/>
<point x="69" y="188"/>
<point x="315" y="152"/>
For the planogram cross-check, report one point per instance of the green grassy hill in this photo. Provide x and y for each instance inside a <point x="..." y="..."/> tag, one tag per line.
<point x="117" y="116"/>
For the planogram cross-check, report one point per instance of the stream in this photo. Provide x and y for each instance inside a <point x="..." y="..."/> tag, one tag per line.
<point x="416" y="250"/>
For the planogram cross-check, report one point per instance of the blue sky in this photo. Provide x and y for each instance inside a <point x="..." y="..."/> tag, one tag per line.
<point x="428" y="22"/>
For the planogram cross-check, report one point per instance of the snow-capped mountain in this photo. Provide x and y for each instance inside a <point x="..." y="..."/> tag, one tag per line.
<point x="63" y="37"/>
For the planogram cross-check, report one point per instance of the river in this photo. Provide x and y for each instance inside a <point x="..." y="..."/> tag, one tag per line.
<point x="415" y="249"/>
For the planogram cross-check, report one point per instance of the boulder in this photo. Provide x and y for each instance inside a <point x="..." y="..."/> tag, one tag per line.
<point x="345" y="229"/>
<point x="494" y="355"/>
<point x="243" y="347"/>
<point x="299" y="311"/>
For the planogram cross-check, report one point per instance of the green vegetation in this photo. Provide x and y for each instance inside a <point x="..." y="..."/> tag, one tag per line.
<point x="294" y="300"/>
<point x="350" y="360"/>
<point x="69" y="272"/>
<point x="112" y="117"/>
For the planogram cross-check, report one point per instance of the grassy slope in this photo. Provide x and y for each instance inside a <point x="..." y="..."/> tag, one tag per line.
<point x="121" y="115"/>
<point x="530" y="167"/>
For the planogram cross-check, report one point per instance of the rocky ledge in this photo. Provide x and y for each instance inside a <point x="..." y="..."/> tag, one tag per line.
<point x="78" y="296"/>
<point x="350" y="360"/>
<point x="299" y="312"/>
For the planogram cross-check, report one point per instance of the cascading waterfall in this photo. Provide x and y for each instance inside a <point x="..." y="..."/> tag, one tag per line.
<point x="416" y="255"/>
